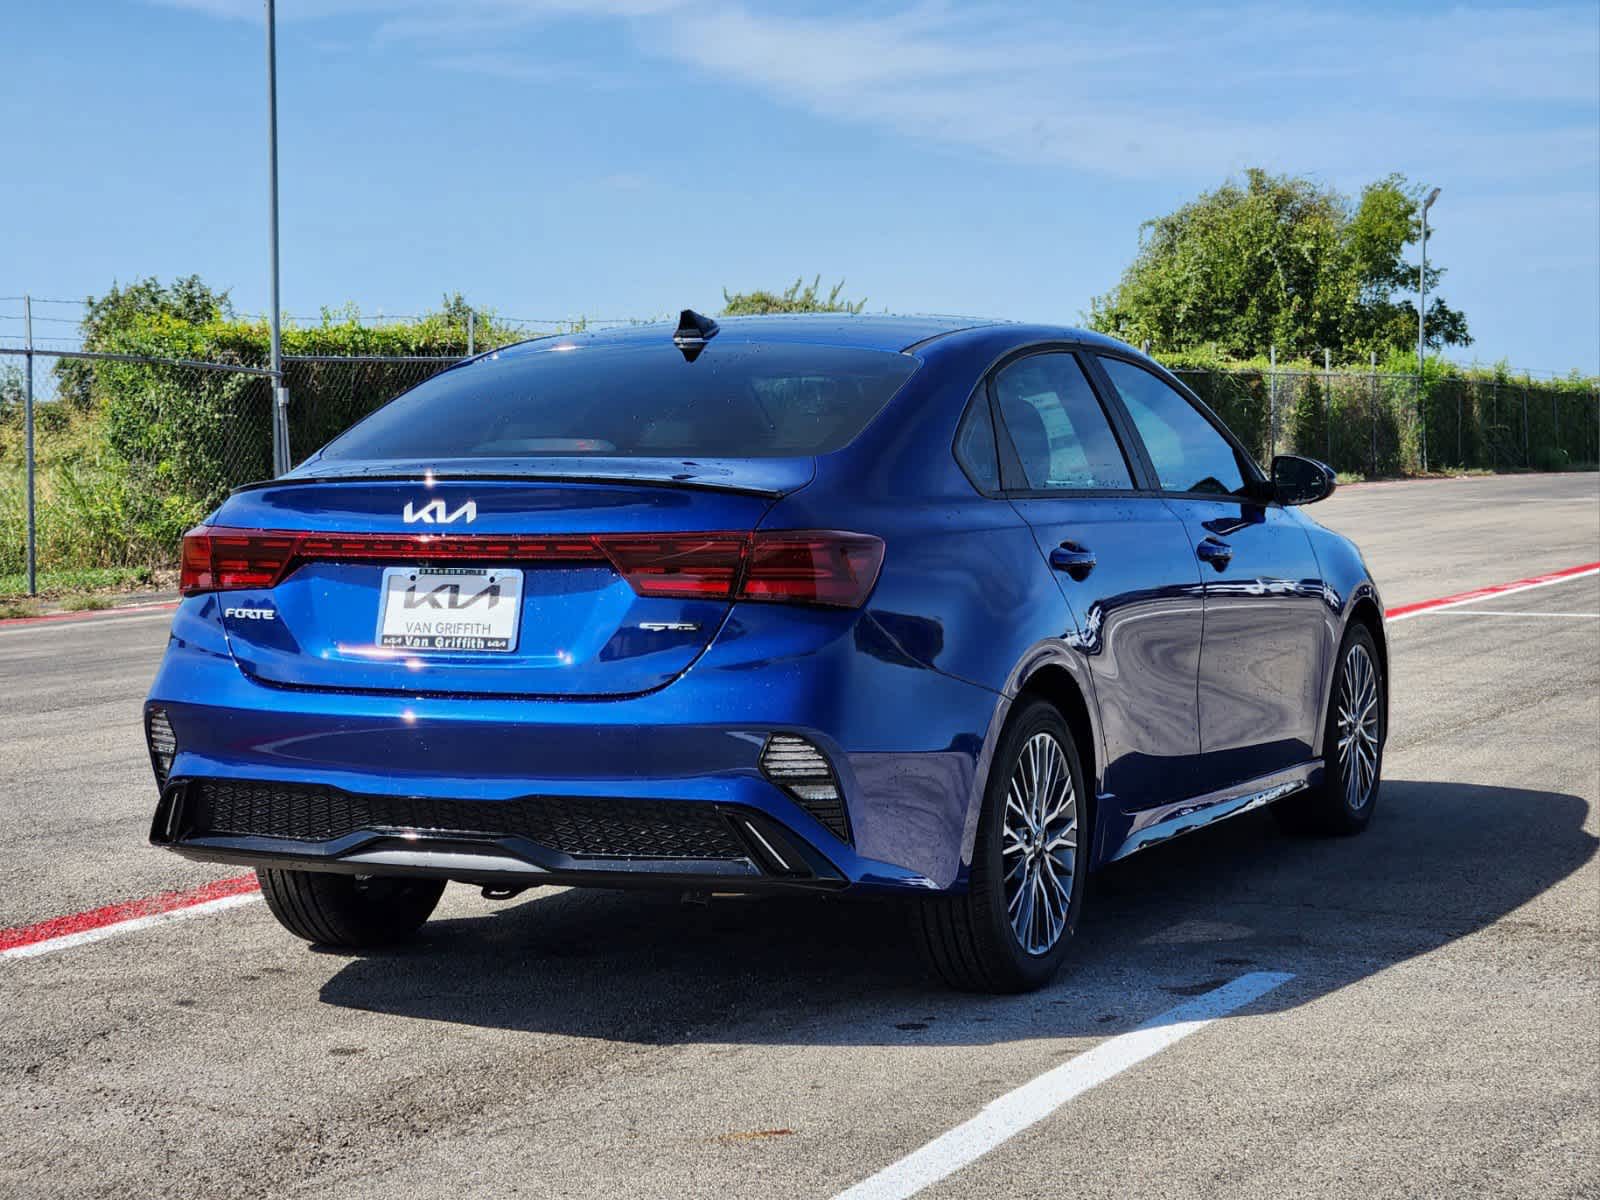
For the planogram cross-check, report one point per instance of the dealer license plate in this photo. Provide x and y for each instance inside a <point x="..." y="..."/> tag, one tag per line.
<point x="450" y="609"/>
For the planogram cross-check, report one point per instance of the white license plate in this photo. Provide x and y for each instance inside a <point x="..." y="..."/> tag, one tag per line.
<point x="450" y="609"/>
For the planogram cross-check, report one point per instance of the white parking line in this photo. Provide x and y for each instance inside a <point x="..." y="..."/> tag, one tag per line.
<point x="1406" y="611"/>
<point x="1031" y="1103"/>
<point x="68" y="940"/>
<point x="1496" y="612"/>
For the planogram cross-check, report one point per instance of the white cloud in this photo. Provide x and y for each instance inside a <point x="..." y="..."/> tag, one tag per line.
<point x="1136" y="91"/>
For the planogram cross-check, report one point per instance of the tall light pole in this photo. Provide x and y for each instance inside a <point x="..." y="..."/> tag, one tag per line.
<point x="1422" y="318"/>
<point x="280" y="395"/>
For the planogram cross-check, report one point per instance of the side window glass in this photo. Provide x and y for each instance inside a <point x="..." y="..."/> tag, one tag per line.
<point x="1061" y="433"/>
<point x="1188" y="453"/>
<point x="975" y="446"/>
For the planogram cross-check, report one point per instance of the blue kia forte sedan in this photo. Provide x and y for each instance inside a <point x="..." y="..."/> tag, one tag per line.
<point x="935" y="609"/>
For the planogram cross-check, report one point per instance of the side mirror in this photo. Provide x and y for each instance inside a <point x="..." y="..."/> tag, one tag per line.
<point x="1297" y="480"/>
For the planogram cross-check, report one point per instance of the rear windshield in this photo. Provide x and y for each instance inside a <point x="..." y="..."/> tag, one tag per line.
<point x="737" y="400"/>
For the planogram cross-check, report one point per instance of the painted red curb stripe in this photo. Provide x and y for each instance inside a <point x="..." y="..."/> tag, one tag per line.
<point x="90" y="616"/>
<point x="115" y="914"/>
<point x="1493" y="590"/>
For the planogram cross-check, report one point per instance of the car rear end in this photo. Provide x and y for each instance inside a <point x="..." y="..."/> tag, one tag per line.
<point x="540" y="620"/>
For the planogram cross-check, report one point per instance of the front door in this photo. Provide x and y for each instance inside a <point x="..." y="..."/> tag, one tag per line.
<point x="1262" y="659"/>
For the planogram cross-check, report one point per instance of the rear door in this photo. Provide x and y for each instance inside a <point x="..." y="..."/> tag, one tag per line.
<point x="1262" y="661"/>
<point x="1124" y="566"/>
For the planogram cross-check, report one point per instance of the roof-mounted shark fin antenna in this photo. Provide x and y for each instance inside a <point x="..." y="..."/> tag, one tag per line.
<point x="693" y="332"/>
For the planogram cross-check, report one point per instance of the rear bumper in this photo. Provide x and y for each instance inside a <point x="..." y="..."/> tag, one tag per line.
<point x="902" y="740"/>
<point x="523" y="841"/>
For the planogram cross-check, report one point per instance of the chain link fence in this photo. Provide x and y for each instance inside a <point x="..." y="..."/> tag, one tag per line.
<point x="130" y="451"/>
<point x="1380" y="424"/>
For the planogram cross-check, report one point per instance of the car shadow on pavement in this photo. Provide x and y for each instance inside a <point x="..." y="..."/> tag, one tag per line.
<point x="1440" y="862"/>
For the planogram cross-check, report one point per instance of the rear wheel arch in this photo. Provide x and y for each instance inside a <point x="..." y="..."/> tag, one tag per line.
<point x="1365" y="611"/>
<point x="1056" y="684"/>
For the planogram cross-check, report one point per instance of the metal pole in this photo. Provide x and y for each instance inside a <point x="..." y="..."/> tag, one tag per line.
<point x="1373" y="397"/>
<point x="1422" y="320"/>
<point x="280" y="396"/>
<point x="1272" y="401"/>
<point x="1527" y="448"/>
<point x="1494" y="420"/>
<point x="1327" y="398"/>
<point x="27" y="438"/>
<point x="472" y="330"/>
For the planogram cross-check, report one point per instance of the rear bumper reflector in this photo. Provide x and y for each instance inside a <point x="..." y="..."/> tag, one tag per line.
<point x="801" y="769"/>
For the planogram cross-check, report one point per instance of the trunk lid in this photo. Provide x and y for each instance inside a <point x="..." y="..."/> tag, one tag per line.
<point x="503" y="584"/>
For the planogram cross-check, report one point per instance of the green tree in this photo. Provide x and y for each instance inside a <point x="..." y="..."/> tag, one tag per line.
<point x="106" y="317"/>
<point x="799" y="297"/>
<point x="1280" y="261"/>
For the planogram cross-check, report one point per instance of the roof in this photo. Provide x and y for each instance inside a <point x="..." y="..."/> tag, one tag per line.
<point x="853" y="331"/>
<point x="857" y="331"/>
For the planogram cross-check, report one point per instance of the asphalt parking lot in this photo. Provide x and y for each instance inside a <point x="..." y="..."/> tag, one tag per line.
<point x="1424" y="1017"/>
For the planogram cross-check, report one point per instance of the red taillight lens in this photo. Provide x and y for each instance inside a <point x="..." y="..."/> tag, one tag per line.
<point x="696" y="565"/>
<point x="222" y="560"/>
<point x="793" y="567"/>
<point x="836" y="569"/>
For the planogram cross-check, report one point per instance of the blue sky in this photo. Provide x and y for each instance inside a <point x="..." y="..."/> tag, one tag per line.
<point x="556" y="158"/>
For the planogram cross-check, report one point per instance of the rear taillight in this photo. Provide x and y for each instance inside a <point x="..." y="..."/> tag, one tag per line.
<point x="830" y="568"/>
<point x="785" y="566"/>
<point x="226" y="560"/>
<point x="699" y="566"/>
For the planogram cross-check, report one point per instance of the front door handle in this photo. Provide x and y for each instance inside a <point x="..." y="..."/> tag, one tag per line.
<point x="1217" y="553"/>
<point x="1074" y="559"/>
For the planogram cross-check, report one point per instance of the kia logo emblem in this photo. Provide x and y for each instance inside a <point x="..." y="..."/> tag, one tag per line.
<point x="434" y="512"/>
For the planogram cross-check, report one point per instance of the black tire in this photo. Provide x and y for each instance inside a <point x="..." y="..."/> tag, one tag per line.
<point x="1337" y="808"/>
<point x="968" y="939"/>
<point x="349" y="910"/>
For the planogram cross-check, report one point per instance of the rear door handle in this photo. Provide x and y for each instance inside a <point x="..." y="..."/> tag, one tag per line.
<point x="1077" y="561"/>
<point x="1215" y="552"/>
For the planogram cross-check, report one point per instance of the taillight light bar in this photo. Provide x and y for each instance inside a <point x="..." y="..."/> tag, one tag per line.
<point x="824" y="567"/>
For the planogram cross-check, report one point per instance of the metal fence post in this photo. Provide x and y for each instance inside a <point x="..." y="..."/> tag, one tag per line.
<point x="1555" y="422"/>
<point x="1494" y="421"/>
<point x="27" y="439"/>
<point x="1373" y="397"/>
<point x="282" y="458"/>
<point x="1327" y="398"/>
<point x="1527" y="450"/>
<point x="472" y="332"/>
<point x="1272" y="402"/>
<point x="1422" y="420"/>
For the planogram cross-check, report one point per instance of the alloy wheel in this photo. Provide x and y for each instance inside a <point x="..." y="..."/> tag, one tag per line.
<point x="1039" y="847"/>
<point x="1359" y="718"/>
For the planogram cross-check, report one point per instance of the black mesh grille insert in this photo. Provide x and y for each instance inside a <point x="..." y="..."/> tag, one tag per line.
<point x="583" y="827"/>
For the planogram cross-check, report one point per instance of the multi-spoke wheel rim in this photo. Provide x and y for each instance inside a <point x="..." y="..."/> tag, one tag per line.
<point x="1360" y="727"/>
<point x="1039" y="849"/>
